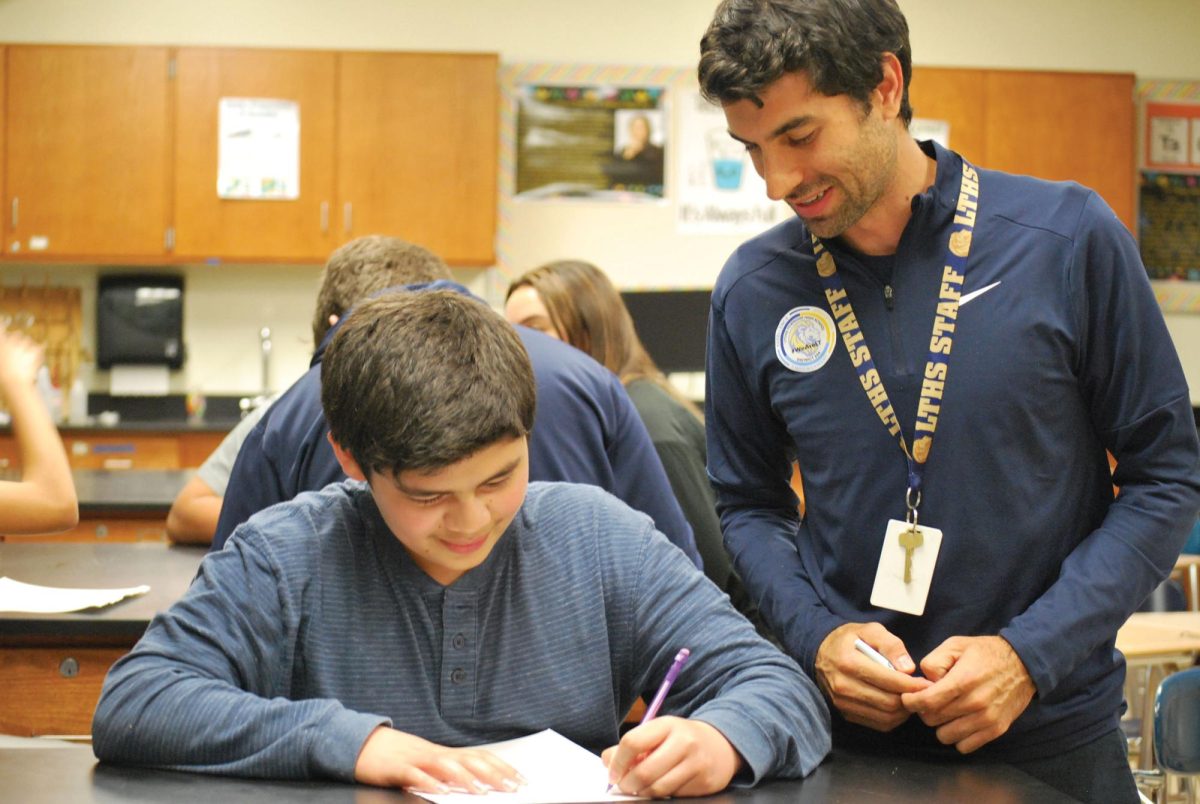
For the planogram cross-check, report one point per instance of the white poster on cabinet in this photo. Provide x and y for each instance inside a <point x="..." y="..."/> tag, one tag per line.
<point x="258" y="150"/>
<point x="926" y="128"/>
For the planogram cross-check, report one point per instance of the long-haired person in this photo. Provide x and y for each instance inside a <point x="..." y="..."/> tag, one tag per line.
<point x="576" y="302"/>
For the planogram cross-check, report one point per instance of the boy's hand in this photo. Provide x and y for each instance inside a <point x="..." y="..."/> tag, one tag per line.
<point x="391" y="758"/>
<point x="672" y="756"/>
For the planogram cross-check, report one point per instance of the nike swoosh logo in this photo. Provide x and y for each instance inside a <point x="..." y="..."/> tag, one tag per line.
<point x="966" y="297"/>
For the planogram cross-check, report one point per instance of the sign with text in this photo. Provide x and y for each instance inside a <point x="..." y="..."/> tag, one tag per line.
<point x="718" y="190"/>
<point x="1171" y="137"/>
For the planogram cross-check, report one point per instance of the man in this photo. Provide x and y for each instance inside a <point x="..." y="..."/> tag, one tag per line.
<point x="587" y="430"/>
<point x="375" y="630"/>
<point x="1010" y="319"/>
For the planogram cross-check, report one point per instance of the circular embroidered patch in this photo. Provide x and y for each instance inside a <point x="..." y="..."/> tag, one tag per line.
<point x="805" y="339"/>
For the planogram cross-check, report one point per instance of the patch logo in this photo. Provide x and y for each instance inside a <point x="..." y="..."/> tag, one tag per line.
<point x="805" y="339"/>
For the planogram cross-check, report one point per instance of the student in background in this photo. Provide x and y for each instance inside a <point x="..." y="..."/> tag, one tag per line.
<point x="197" y="507"/>
<point x="586" y="431"/>
<point x="438" y="600"/>
<point x="43" y="500"/>
<point x="575" y="302"/>
<point x="948" y="351"/>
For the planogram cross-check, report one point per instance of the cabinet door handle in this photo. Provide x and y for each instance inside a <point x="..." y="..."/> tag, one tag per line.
<point x="324" y="217"/>
<point x="16" y="211"/>
<point x="348" y="217"/>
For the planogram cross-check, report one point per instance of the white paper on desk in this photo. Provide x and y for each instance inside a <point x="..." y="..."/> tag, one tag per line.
<point x="558" y="772"/>
<point x="31" y="599"/>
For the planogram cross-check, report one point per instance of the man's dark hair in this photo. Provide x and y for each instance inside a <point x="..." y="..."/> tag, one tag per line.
<point x="365" y="266"/>
<point x="423" y="379"/>
<point x="839" y="44"/>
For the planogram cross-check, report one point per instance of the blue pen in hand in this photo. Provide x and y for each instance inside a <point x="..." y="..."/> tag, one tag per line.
<point x="663" y="689"/>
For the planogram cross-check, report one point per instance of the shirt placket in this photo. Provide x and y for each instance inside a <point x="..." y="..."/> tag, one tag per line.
<point x="459" y="653"/>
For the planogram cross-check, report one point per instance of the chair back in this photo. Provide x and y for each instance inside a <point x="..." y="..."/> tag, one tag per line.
<point x="1177" y="722"/>
<point x="1167" y="596"/>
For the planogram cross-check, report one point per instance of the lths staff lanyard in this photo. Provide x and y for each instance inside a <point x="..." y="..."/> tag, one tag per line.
<point x="940" y="342"/>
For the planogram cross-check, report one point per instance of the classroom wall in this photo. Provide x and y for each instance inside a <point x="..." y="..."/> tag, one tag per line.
<point x="227" y="305"/>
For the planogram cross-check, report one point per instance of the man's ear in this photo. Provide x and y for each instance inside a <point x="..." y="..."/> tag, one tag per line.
<point x="344" y="459"/>
<point x="890" y="91"/>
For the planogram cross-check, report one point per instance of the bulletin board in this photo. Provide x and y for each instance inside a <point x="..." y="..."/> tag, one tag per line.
<point x="50" y="316"/>
<point x="1169" y="190"/>
<point x="646" y="234"/>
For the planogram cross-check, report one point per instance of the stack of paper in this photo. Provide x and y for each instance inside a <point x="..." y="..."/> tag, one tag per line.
<point x="558" y="772"/>
<point x="31" y="599"/>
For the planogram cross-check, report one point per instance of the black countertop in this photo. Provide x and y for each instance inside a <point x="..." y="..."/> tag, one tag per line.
<point x="167" y="569"/>
<point x="128" y="490"/>
<point x="172" y="426"/>
<point x="55" y="773"/>
<point x="123" y="490"/>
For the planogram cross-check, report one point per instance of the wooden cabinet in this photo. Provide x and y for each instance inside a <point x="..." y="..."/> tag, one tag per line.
<point x="119" y="451"/>
<point x="112" y="153"/>
<point x="87" y="152"/>
<point x="297" y="230"/>
<point x="53" y="665"/>
<point x="116" y="450"/>
<point x="417" y="148"/>
<point x="1077" y="126"/>
<point x="3" y="126"/>
<point x="1052" y="125"/>
<point x="414" y="153"/>
<point x="53" y="691"/>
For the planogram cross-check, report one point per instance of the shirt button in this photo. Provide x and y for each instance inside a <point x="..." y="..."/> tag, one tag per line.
<point x="458" y="675"/>
<point x="458" y="641"/>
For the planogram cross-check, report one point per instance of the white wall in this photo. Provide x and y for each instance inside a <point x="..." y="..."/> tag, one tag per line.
<point x="227" y="305"/>
<point x="1153" y="38"/>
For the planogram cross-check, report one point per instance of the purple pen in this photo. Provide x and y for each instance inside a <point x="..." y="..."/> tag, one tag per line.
<point x="656" y="704"/>
<point x="663" y="689"/>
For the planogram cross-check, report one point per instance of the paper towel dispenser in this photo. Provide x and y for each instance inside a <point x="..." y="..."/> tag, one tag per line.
<point x="139" y="320"/>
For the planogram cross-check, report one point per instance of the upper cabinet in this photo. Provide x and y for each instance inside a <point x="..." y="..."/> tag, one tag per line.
<point x="1053" y="125"/>
<point x="285" y="230"/>
<point x="417" y="148"/>
<point x="113" y="153"/>
<point x="87" y="150"/>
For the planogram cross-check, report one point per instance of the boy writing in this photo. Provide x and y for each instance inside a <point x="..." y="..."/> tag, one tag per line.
<point x="376" y="629"/>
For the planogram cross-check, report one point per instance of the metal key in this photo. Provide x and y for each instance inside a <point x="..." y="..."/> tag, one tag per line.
<point x="910" y="540"/>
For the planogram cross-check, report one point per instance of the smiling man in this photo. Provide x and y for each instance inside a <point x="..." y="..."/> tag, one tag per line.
<point x="375" y="630"/>
<point x="948" y="353"/>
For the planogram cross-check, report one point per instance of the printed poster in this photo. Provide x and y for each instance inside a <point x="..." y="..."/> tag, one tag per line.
<point x="258" y="149"/>
<point x="592" y="143"/>
<point x="718" y="190"/>
<point x="1171" y="136"/>
<point x="926" y="128"/>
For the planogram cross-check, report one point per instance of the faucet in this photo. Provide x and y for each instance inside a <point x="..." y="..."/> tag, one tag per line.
<point x="249" y="403"/>
<point x="264" y="342"/>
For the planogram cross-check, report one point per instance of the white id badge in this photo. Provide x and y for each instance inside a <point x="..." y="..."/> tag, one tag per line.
<point x="890" y="590"/>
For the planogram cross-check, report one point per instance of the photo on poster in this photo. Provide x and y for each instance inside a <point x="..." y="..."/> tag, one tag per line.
<point x="599" y="143"/>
